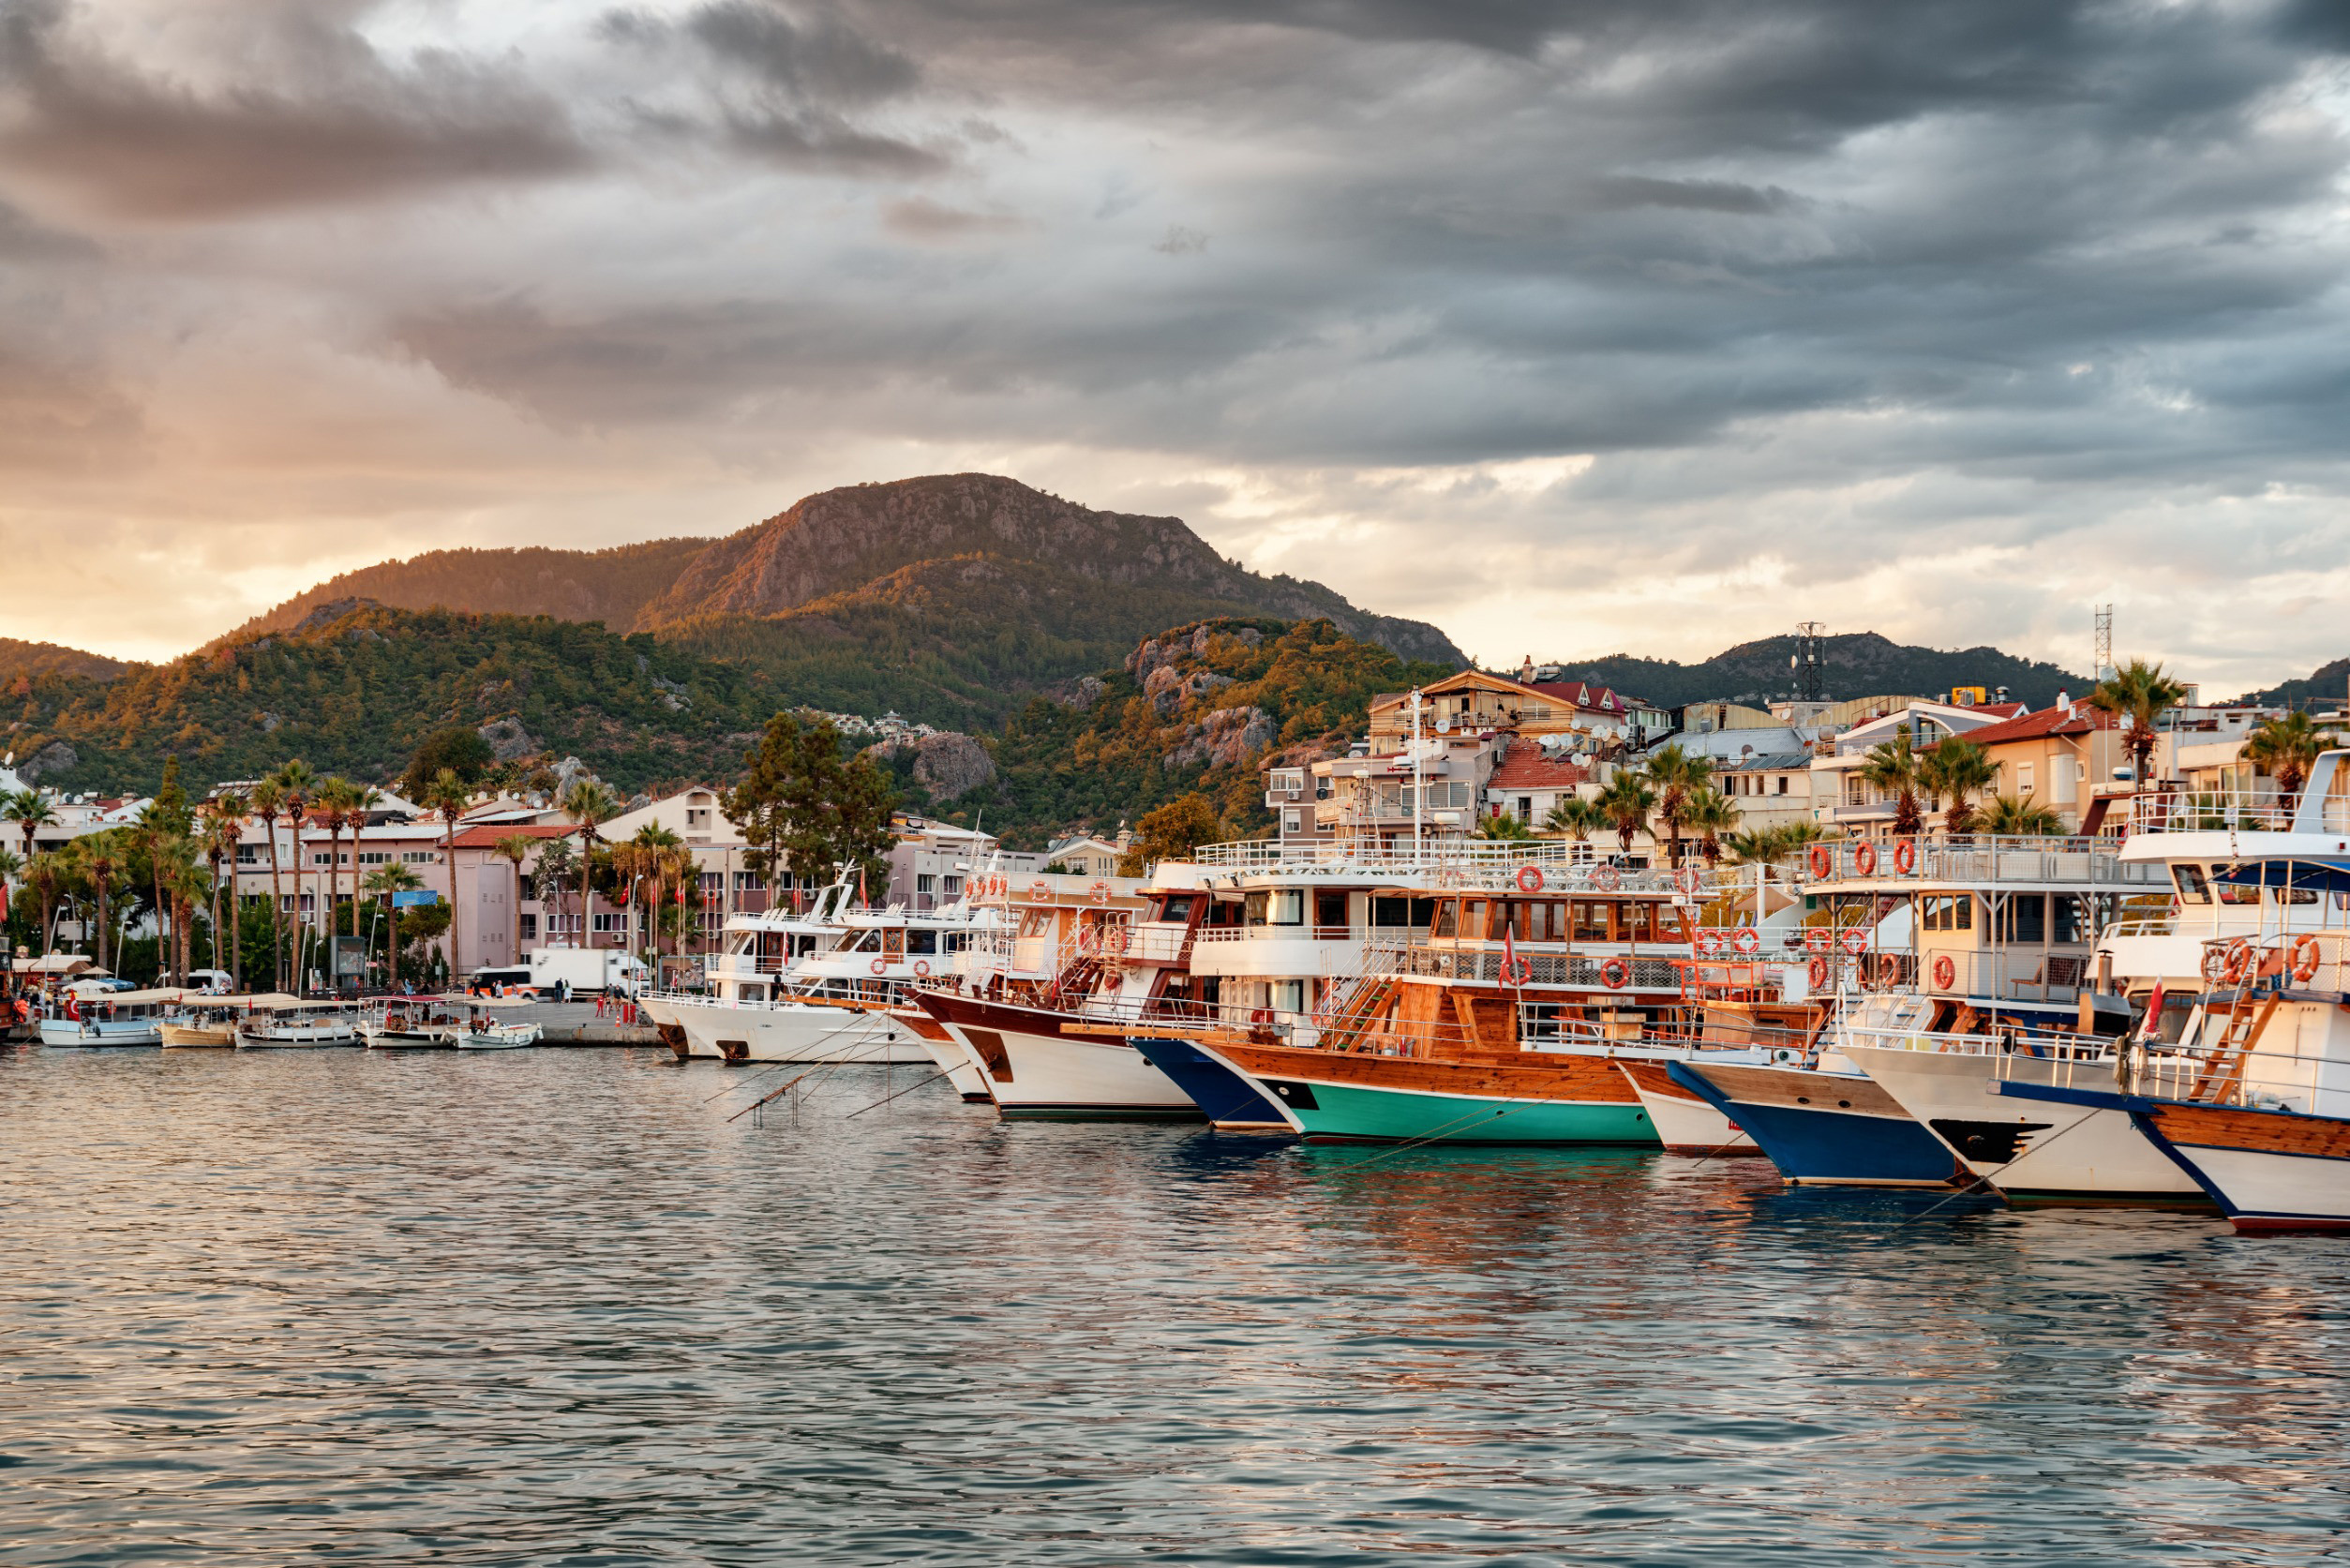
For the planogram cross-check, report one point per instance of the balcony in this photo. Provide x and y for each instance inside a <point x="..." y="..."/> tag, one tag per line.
<point x="1982" y="860"/>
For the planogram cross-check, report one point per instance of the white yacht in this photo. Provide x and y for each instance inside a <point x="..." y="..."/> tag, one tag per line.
<point x="828" y="984"/>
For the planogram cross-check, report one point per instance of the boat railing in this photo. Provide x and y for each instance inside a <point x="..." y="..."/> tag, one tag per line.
<point x="2316" y="960"/>
<point x="2030" y="1044"/>
<point x="2232" y="1072"/>
<point x="2232" y="810"/>
<point x="1493" y="865"/>
<point x="2007" y="975"/>
<point x="1981" y="860"/>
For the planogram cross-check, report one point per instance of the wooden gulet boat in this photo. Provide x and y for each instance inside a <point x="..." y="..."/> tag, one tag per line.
<point x="1504" y="1023"/>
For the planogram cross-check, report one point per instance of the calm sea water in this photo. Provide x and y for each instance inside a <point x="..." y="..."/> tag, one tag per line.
<point x="552" y="1308"/>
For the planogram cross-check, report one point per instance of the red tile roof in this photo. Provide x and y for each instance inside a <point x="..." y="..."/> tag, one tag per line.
<point x="2077" y="718"/>
<point x="1584" y="694"/>
<point x="1526" y="767"/>
<point x="485" y="838"/>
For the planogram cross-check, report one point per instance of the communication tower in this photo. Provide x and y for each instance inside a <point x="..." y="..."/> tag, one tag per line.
<point x="1805" y="661"/>
<point x="2105" y="660"/>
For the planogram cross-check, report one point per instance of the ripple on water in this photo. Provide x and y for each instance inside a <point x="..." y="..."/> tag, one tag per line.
<point x="551" y="1308"/>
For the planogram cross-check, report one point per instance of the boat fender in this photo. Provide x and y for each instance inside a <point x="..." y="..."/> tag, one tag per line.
<point x="1864" y="859"/>
<point x="1823" y="861"/>
<point x="1906" y="856"/>
<point x="1615" y="974"/>
<point x="1530" y="879"/>
<point x="1818" y="973"/>
<point x="2305" y="957"/>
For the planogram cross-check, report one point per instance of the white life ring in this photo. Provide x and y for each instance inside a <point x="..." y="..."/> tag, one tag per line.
<point x="921" y="966"/>
<point x="881" y="965"/>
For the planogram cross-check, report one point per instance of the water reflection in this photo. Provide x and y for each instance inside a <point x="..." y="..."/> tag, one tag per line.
<point x="543" y="1306"/>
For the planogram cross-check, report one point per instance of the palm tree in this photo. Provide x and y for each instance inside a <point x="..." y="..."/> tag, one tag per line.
<point x="385" y="880"/>
<point x="2009" y="817"/>
<point x="590" y="805"/>
<point x="1626" y="802"/>
<point x="294" y="783"/>
<point x="364" y="800"/>
<point x="100" y="859"/>
<point x="1676" y="775"/>
<point x="30" y="809"/>
<point x="183" y="886"/>
<point x="514" y="849"/>
<point x="12" y="867"/>
<point x="150" y="830"/>
<point x="1955" y="770"/>
<point x="221" y="825"/>
<point x="1708" y="813"/>
<point x="555" y="865"/>
<point x="1892" y="768"/>
<point x="2287" y="748"/>
<point x="46" y="872"/>
<point x="268" y="800"/>
<point x="1504" y="827"/>
<point x="2140" y="693"/>
<point x="447" y="798"/>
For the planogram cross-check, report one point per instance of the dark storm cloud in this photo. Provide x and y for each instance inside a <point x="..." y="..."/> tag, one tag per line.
<point x="339" y="125"/>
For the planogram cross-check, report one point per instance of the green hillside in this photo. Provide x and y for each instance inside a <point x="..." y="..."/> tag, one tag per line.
<point x="1861" y="664"/>
<point x="353" y="693"/>
<point x="2323" y="689"/>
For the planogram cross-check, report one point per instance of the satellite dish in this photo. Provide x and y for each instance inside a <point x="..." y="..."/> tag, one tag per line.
<point x="1443" y="726"/>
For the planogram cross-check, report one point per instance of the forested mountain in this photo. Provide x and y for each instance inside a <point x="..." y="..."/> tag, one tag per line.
<point x="2326" y="688"/>
<point x="948" y="599"/>
<point x="354" y="691"/>
<point x="1861" y="664"/>
<point x="21" y="661"/>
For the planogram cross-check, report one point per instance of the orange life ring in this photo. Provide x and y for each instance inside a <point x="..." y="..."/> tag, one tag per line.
<point x="1818" y="939"/>
<point x="1855" y="940"/>
<point x="1039" y="888"/>
<point x="2239" y="961"/>
<point x="879" y="966"/>
<point x="1686" y="879"/>
<point x="1818" y="972"/>
<point x="1530" y="879"/>
<point x="2305" y="958"/>
<point x="1945" y="973"/>
<point x="1906" y="856"/>
<point x="1887" y="968"/>
<point x="1615" y="974"/>
<point x="1710" y="941"/>
<point x="1262" y="1015"/>
<point x="1114" y="939"/>
<point x="1606" y="878"/>
<point x="1823" y="861"/>
<point x="1100" y="891"/>
<point x="2214" y="963"/>
<point x="1747" y="941"/>
<point x="1517" y="972"/>
<point x="921" y="966"/>
<point x="1864" y="859"/>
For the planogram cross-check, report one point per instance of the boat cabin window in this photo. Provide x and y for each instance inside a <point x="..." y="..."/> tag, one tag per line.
<point x="1473" y="919"/>
<point x="921" y="943"/>
<point x="1639" y="922"/>
<point x="1536" y="920"/>
<point x="1329" y="911"/>
<point x="1448" y="917"/>
<point x="1223" y="911"/>
<point x="2292" y="895"/>
<point x="1391" y="911"/>
<point x="1034" y="923"/>
<point x="2238" y="892"/>
<point x="2193" y="888"/>
<point x="2068" y="917"/>
<point x="1177" y="907"/>
<point x="1277" y="906"/>
<point x="1591" y="920"/>
<point x="2023" y="918"/>
<point x="1949" y="912"/>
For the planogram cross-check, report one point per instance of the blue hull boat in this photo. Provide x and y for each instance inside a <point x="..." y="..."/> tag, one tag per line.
<point x="1824" y="1128"/>
<point x="1230" y="1100"/>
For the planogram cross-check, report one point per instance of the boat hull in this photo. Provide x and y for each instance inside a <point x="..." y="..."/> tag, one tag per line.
<point x="2267" y="1169"/>
<point x="88" y="1035"/>
<point x="1824" y="1129"/>
<point x="191" y="1036"/>
<point x="1686" y="1122"/>
<point x="791" y="1032"/>
<point x="1332" y="1096"/>
<point x="1045" y="1066"/>
<point x="2029" y="1151"/>
<point x="947" y="1054"/>
<point x="1226" y="1097"/>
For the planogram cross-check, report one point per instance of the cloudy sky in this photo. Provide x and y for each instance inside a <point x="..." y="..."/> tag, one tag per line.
<point x="1575" y="328"/>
